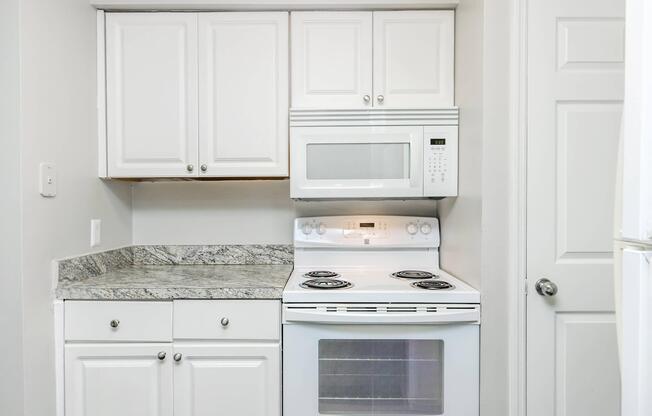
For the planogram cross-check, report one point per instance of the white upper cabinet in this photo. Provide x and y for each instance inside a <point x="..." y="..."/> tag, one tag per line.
<point x="331" y="59"/>
<point x="389" y="59"/>
<point x="151" y="94"/>
<point x="414" y="59"/>
<point x="243" y="94"/>
<point x="195" y="94"/>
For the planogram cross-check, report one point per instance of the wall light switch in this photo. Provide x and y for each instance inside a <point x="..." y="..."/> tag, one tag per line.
<point x="47" y="179"/>
<point x="96" y="233"/>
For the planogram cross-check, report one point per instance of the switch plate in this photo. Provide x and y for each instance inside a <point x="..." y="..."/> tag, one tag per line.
<point x="96" y="233"/>
<point x="47" y="180"/>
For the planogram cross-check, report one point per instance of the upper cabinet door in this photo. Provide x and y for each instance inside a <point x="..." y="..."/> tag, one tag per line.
<point x="331" y="60"/>
<point x="243" y="94"/>
<point x="151" y="93"/>
<point x="414" y="59"/>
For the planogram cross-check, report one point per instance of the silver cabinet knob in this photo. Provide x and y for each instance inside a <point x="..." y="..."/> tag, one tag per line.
<point x="366" y="98"/>
<point x="203" y="168"/>
<point x="546" y="288"/>
<point x="177" y="357"/>
<point x="114" y="323"/>
<point x="380" y="99"/>
<point x="190" y="167"/>
<point x="161" y="355"/>
<point x="224" y="321"/>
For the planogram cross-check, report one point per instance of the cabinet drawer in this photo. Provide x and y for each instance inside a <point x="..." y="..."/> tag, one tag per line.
<point x="118" y="321"/>
<point x="227" y="319"/>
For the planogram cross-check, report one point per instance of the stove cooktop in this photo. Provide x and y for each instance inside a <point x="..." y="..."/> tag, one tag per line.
<point x="352" y="285"/>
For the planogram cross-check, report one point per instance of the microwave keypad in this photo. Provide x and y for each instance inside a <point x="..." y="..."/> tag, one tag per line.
<point x="437" y="164"/>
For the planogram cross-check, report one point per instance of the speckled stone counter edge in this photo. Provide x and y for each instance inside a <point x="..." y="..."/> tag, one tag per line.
<point x="139" y="293"/>
<point x="92" y="265"/>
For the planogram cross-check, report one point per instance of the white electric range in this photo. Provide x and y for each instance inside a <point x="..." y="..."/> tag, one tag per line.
<point x="371" y="325"/>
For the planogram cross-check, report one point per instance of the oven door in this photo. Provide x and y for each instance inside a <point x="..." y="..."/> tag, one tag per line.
<point x="356" y="162"/>
<point x="380" y="369"/>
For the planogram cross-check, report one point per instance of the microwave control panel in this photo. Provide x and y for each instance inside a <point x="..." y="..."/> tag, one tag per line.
<point x="440" y="161"/>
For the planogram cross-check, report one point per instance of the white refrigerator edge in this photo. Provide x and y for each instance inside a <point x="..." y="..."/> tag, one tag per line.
<point x="633" y="216"/>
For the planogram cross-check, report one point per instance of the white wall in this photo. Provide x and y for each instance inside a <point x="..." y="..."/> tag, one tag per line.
<point x="238" y="212"/>
<point x="11" y="369"/>
<point x="58" y="124"/>
<point x="476" y="226"/>
<point x="461" y="217"/>
<point x="497" y="213"/>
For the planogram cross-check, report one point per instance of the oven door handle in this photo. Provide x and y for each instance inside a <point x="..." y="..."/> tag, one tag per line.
<point x="444" y="317"/>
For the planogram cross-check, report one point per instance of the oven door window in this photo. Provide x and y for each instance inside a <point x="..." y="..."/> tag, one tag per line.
<point x="376" y="377"/>
<point x="351" y="161"/>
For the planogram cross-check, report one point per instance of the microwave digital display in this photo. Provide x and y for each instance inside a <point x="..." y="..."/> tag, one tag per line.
<point x="367" y="225"/>
<point x="437" y="142"/>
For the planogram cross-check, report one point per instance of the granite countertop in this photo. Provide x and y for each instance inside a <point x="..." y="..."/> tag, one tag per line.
<point x="176" y="272"/>
<point x="257" y="281"/>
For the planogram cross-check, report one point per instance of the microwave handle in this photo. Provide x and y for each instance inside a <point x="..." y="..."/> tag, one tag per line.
<point x="315" y="316"/>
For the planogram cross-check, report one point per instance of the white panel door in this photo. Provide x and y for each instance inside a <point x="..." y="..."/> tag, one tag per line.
<point x="414" y="59"/>
<point x="118" y="379"/>
<point x="243" y="92"/>
<point x="575" y="92"/>
<point x="228" y="379"/>
<point x="331" y="60"/>
<point x="151" y="93"/>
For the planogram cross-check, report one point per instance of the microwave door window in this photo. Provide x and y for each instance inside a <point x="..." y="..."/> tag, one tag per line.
<point x="376" y="377"/>
<point x="357" y="161"/>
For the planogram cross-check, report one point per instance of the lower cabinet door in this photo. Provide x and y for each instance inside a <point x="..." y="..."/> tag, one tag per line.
<point x="118" y="379"/>
<point x="230" y="379"/>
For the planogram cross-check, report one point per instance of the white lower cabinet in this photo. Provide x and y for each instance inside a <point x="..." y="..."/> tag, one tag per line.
<point x="238" y="379"/>
<point x="118" y="379"/>
<point x="115" y="373"/>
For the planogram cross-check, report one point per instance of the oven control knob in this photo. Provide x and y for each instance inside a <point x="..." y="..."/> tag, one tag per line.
<point x="321" y="228"/>
<point x="412" y="228"/>
<point x="306" y="228"/>
<point x="426" y="228"/>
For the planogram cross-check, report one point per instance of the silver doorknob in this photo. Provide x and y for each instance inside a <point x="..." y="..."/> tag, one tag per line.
<point x="114" y="323"/>
<point x="380" y="99"/>
<point x="366" y="98"/>
<point x="161" y="355"/>
<point x="203" y="168"/>
<point x="224" y="321"/>
<point x="545" y="287"/>
<point x="177" y="357"/>
<point x="190" y="167"/>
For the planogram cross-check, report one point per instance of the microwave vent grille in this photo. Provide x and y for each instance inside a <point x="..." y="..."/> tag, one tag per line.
<point x="374" y="117"/>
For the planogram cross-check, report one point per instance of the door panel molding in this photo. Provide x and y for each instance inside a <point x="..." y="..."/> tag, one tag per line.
<point x="573" y="78"/>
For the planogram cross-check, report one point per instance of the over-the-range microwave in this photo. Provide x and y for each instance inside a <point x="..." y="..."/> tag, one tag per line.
<point x="373" y="153"/>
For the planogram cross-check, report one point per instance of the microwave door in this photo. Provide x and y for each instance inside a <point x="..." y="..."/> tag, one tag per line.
<point x="356" y="162"/>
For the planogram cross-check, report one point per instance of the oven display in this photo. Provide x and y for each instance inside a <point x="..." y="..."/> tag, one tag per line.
<point x="367" y="225"/>
<point x="437" y="142"/>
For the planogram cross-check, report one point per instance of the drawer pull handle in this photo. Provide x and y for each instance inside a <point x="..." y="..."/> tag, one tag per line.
<point x="161" y="355"/>
<point x="224" y="321"/>
<point x="114" y="323"/>
<point x="177" y="357"/>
